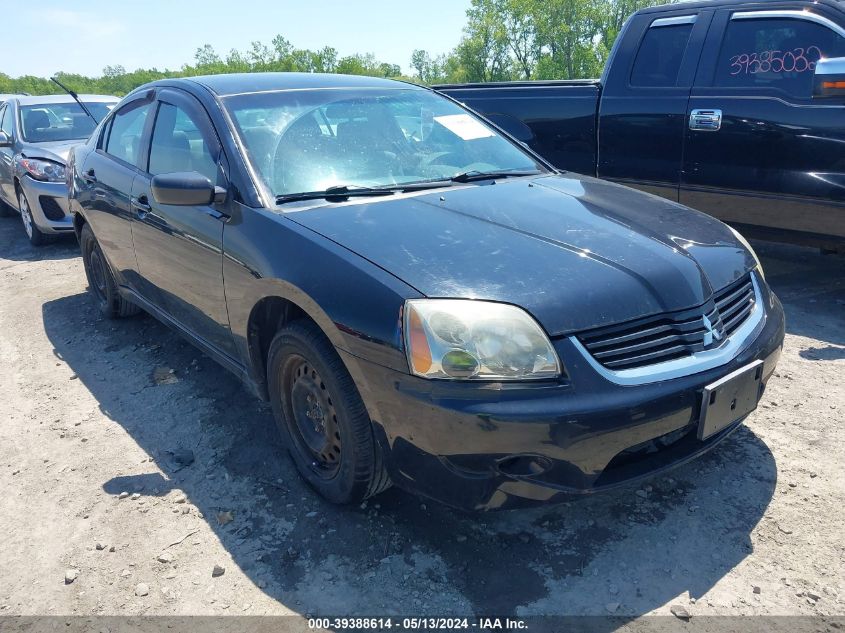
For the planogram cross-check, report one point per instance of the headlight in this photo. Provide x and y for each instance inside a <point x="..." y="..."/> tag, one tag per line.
<point x="476" y="340"/>
<point x="43" y="170"/>
<point x="745" y="243"/>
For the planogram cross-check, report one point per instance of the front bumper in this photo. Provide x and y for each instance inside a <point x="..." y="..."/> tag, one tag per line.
<point x="49" y="205"/>
<point x="484" y="447"/>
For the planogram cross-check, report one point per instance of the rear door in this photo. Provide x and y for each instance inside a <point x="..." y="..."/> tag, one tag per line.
<point x="180" y="248"/>
<point x="777" y="158"/>
<point x="106" y="184"/>
<point x="644" y="102"/>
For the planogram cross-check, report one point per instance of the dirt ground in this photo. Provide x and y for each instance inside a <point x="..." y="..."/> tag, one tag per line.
<point x="100" y="514"/>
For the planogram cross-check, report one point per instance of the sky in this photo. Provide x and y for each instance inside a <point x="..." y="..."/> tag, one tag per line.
<point x="42" y="38"/>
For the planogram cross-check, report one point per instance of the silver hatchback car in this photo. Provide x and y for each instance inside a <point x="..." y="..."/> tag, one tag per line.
<point x="36" y="134"/>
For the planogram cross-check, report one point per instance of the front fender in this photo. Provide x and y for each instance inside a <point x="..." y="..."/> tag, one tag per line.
<point x="355" y="303"/>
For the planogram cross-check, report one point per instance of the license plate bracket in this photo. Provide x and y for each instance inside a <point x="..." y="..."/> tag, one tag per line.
<point x="730" y="398"/>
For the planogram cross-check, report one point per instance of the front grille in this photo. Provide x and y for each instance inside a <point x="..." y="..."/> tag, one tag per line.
<point x="673" y="335"/>
<point x="735" y="304"/>
<point x="51" y="208"/>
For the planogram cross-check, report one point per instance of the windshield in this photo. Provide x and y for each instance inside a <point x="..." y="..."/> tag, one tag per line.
<point x="302" y="141"/>
<point x="46" y="122"/>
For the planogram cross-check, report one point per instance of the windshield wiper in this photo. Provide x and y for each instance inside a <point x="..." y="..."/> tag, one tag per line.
<point x="342" y="192"/>
<point x="339" y="192"/>
<point x="75" y="98"/>
<point x="468" y="176"/>
<point x="419" y="185"/>
<point x="472" y="175"/>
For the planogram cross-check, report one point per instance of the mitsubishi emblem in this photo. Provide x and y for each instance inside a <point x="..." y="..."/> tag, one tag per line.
<point x="711" y="334"/>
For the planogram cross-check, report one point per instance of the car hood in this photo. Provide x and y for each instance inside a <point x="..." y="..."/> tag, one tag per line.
<point x="54" y="150"/>
<point x="576" y="252"/>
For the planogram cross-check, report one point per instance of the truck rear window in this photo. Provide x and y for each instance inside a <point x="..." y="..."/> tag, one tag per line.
<point x="659" y="58"/>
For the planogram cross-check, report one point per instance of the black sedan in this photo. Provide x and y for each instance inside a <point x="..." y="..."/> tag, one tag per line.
<point x="422" y="300"/>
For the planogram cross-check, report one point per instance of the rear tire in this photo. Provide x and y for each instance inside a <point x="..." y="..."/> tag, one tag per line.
<point x="321" y="416"/>
<point x="101" y="282"/>
<point x="33" y="233"/>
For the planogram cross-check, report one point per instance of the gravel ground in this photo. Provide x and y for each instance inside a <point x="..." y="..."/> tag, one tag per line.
<point x="101" y="514"/>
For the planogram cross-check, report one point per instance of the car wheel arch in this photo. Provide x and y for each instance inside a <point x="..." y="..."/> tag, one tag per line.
<point x="78" y="222"/>
<point x="270" y="314"/>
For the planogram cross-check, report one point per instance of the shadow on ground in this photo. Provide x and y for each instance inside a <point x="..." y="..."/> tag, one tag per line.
<point x="400" y="554"/>
<point x="812" y="285"/>
<point x="15" y="247"/>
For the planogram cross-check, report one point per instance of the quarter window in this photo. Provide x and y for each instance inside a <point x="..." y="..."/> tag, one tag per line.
<point x="127" y="127"/>
<point x="179" y="145"/>
<point x="659" y="58"/>
<point x="777" y="53"/>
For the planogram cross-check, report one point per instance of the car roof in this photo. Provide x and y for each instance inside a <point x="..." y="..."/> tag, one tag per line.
<point x="231" y="84"/>
<point x="48" y="99"/>
<point x="743" y="4"/>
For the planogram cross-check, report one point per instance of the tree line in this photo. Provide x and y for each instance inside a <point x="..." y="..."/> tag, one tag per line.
<point x="502" y="40"/>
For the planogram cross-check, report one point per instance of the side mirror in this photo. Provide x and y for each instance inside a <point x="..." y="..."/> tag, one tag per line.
<point x="185" y="189"/>
<point x="5" y="139"/>
<point x="829" y="78"/>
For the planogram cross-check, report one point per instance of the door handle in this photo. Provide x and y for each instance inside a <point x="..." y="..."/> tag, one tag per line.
<point x="706" y="120"/>
<point x="141" y="204"/>
<point x="89" y="176"/>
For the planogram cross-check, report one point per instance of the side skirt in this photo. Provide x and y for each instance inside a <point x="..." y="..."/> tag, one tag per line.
<point x="204" y="346"/>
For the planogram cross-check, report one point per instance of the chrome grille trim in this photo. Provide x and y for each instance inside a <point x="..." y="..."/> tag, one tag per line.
<point x="735" y="306"/>
<point x="746" y="322"/>
<point x="664" y="337"/>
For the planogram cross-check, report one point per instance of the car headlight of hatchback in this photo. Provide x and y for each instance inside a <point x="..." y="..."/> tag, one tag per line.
<point x="43" y="170"/>
<point x="465" y="339"/>
<point x="745" y="243"/>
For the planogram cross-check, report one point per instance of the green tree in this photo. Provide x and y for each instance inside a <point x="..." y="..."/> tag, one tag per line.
<point x="502" y="40"/>
<point x="427" y="69"/>
<point x="568" y="33"/>
<point x="520" y="30"/>
<point x="207" y="56"/>
<point x="482" y="54"/>
<point x="325" y="60"/>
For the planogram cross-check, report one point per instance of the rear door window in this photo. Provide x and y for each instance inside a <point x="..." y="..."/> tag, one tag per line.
<point x="775" y="53"/>
<point x="661" y="52"/>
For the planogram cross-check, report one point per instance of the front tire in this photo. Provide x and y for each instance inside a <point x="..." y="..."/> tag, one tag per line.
<point x="321" y="416"/>
<point x="33" y="233"/>
<point x="101" y="282"/>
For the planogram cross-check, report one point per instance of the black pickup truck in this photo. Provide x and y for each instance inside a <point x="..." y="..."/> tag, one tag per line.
<point x="733" y="108"/>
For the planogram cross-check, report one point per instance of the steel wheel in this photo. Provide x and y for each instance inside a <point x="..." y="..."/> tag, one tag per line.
<point x="321" y="416"/>
<point x="36" y="237"/>
<point x="98" y="276"/>
<point x="101" y="284"/>
<point x="26" y="214"/>
<point x="314" y="424"/>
